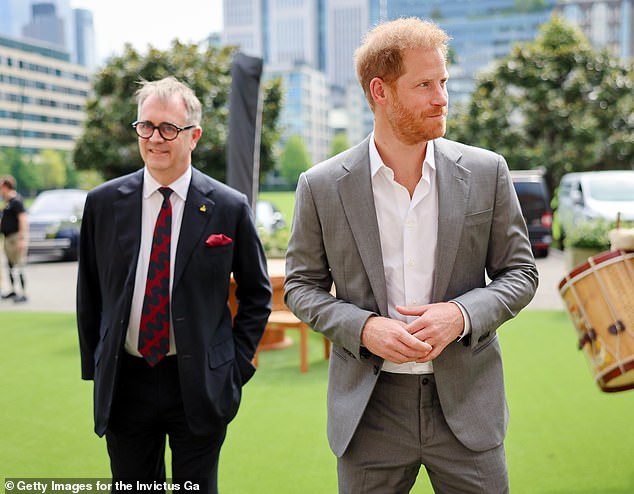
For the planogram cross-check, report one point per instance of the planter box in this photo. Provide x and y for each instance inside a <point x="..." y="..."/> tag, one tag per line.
<point x="578" y="255"/>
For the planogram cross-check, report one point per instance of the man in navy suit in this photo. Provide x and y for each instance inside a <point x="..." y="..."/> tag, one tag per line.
<point x="166" y="358"/>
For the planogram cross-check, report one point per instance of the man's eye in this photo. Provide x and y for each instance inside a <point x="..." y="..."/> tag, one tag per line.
<point x="168" y="129"/>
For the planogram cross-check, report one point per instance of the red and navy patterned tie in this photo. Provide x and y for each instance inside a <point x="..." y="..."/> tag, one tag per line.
<point x="154" y="340"/>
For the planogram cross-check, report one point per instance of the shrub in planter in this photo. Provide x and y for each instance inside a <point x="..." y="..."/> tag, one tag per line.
<point x="591" y="234"/>
<point x="588" y="239"/>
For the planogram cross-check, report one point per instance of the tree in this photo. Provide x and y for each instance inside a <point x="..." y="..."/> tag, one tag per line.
<point x="52" y="168"/>
<point x="109" y="144"/>
<point x="14" y="162"/>
<point x="339" y="143"/>
<point x="294" y="159"/>
<point x="554" y="103"/>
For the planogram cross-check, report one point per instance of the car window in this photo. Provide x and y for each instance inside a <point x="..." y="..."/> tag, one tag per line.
<point x="619" y="188"/>
<point x="532" y="196"/>
<point x="57" y="204"/>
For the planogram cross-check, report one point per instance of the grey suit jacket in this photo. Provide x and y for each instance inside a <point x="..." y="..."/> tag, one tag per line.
<point x="335" y="239"/>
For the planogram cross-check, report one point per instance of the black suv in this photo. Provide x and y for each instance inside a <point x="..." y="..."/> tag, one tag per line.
<point x="535" y="202"/>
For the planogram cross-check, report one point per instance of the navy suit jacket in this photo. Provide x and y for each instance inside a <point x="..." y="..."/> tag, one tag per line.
<point x="214" y="353"/>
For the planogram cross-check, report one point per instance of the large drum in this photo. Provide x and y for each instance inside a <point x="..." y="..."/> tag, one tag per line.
<point x="599" y="295"/>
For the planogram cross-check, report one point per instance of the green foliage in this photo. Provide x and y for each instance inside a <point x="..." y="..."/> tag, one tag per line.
<point x="529" y="5"/>
<point x="5" y="163"/>
<point x="51" y="168"/>
<point x="109" y="144"/>
<point x="591" y="234"/>
<point x="339" y="143"/>
<point x="554" y="103"/>
<point x="276" y="244"/>
<point x="20" y="165"/>
<point x="294" y="159"/>
<point x="88" y="179"/>
<point x="271" y="107"/>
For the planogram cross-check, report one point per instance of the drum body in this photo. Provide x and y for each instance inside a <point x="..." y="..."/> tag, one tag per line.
<point x="599" y="296"/>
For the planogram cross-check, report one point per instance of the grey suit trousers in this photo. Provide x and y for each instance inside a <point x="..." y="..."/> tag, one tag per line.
<point x="402" y="428"/>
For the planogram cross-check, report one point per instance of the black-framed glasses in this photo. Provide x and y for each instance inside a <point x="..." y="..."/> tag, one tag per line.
<point x="168" y="131"/>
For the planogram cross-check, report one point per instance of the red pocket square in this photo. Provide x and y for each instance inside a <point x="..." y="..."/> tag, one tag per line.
<point x="217" y="239"/>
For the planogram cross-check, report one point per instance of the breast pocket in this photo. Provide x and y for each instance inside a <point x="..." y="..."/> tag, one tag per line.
<point x="478" y="218"/>
<point x="219" y="250"/>
<point x="214" y="261"/>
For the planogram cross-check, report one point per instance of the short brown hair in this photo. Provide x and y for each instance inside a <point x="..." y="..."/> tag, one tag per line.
<point x="8" y="181"/>
<point x="381" y="52"/>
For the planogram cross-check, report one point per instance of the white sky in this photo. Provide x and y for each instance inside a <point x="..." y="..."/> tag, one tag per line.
<point x="155" y="22"/>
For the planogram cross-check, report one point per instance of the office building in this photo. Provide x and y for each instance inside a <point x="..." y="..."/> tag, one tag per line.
<point x="293" y="32"/>
<point x="70" y="29"/>
<point x="606" y="23"/>
<point x="481" y="31"/>
<point x="305" y="106"/>
<point x="45" y="25"/>
<point x="85" y="39"/>
<point x="347" y="22"/>
<point x="243" y="26"/>
<point x="42" y="96"/>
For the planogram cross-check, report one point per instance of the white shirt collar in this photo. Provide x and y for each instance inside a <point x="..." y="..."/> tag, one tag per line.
<point x="179" y="186"/>
<point x="376" y="162"/>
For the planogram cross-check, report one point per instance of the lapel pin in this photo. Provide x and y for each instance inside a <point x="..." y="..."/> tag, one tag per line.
<point x="203" y="209"/>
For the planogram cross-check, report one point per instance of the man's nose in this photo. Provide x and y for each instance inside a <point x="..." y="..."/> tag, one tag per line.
<point x="441" y="98"/>
<point x="156" y="135"/>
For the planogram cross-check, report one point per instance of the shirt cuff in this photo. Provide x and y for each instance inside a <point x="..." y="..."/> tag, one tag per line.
<point x="467" y="322"/>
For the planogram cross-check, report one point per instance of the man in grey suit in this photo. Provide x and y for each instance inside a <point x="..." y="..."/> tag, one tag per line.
<point x="405" y="226"/>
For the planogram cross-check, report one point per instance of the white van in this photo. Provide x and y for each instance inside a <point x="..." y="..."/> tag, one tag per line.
<point x="595" y="195"/>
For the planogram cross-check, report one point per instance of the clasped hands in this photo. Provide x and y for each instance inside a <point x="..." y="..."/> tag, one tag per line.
<point x="422" y="340"/>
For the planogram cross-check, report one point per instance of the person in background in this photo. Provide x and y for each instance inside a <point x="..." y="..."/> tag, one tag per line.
<point x="14" y="225"/>
<point x="158" y="248"/>
<point x="407" y="225"/>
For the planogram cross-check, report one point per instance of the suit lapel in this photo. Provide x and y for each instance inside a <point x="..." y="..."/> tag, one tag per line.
<point x="198" y="211"/>
<point x="453" y="193"/>
<point x="127" y="215"/>
<point x="355" y="191"/>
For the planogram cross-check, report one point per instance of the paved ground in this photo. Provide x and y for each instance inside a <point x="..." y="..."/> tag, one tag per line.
<point x="51" y="285"/>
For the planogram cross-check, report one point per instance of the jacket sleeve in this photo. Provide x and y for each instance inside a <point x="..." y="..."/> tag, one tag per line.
<point x="253" y="291"/>
<point x="88" y="294"/>
<point x="309" y="278"/>
<point x="509" y="265"/>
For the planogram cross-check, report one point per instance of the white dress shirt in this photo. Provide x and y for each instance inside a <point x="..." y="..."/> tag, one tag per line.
<point x="151" y="204"/>
<point x="408" y="228"/>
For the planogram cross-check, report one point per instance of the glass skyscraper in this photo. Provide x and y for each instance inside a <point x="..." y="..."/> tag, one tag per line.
<point x="481" y="31"/>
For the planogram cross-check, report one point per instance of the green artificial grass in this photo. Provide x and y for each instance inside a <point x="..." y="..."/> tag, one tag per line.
<point x="565" y="435"/>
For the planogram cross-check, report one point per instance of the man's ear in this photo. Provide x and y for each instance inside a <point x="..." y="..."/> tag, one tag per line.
<point x="196" y="133"/>
<point x="378" y="91"/>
